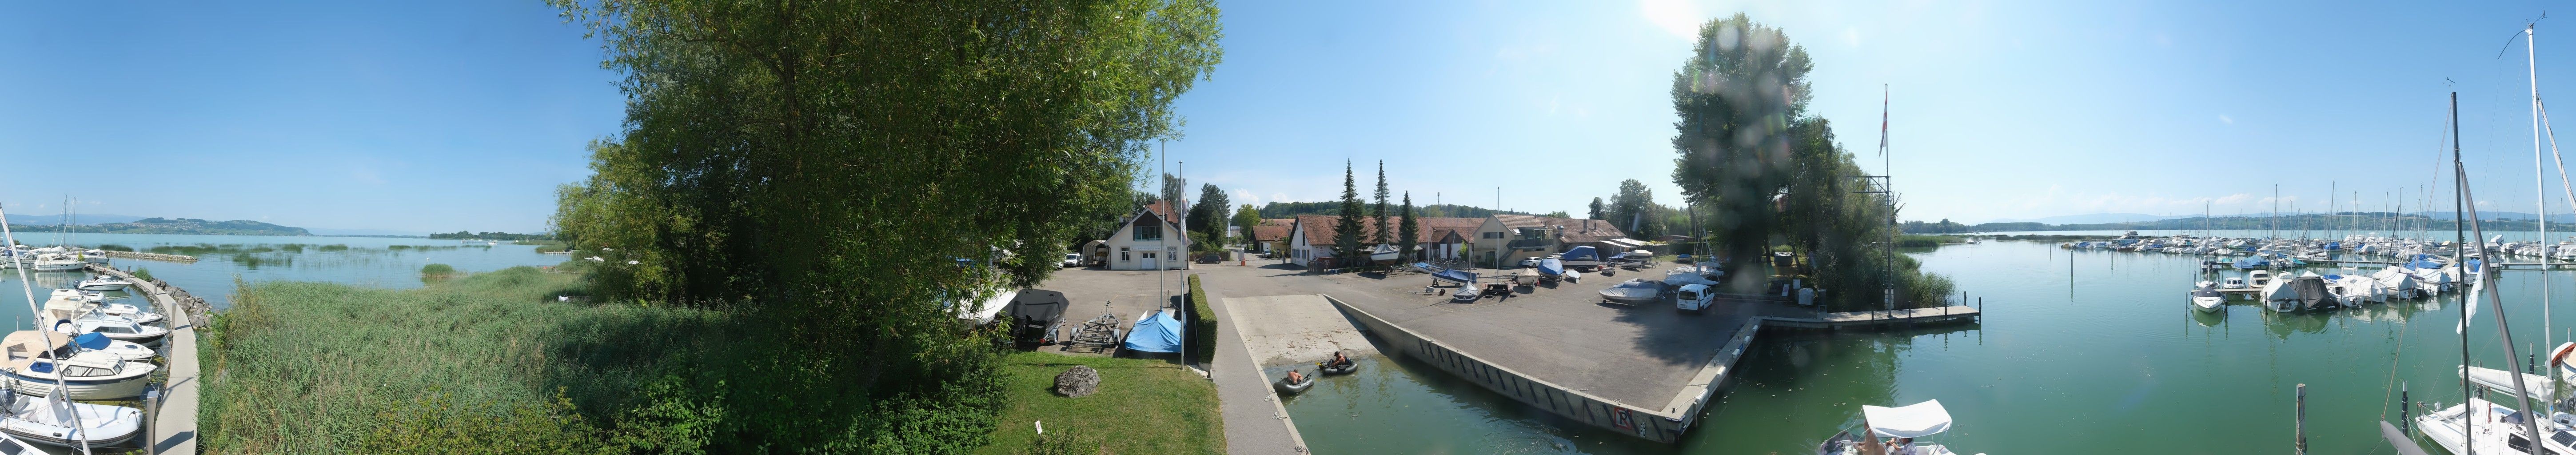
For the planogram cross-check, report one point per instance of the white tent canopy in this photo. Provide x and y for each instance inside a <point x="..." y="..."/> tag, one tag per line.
<point x="1912" y="421"/>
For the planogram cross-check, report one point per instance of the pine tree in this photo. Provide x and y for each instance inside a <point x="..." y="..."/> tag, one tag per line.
<point x="1346" y="236"/>
<point x="1380" y="213"/>
<point x="1597" y="209"/>
<point x="1405" y="236"/>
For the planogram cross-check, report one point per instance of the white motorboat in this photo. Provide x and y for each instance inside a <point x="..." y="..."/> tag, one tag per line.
<point x="55" y="262"/>
<point x="94" y="256"/>
<point x="1706" y="273"/>
<point x="2208" y="300"/>
<point x="103" y="283"/>
<point x="76" y="296"/>
<point x="57" y="421"/>
<point x="1634" y="291"/>
<point x="2259" y="278"/>
<point x="2232" y="283"/>
<point x="77" y="302"/>
<point x="37" y="360"/>
<point x="114" y="327"/>
<point x="1903" y="424"/>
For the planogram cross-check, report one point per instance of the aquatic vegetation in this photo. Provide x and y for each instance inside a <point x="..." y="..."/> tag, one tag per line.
<point x="114" y="247"/>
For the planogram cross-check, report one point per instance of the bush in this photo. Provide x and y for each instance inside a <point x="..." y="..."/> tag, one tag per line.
<point x="143" y="274"/>
<point x="1203" y="325"/>
<point x="437" y="270"/>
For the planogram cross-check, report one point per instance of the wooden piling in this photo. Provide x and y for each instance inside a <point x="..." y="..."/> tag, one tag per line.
<point x="2299" y="424"/>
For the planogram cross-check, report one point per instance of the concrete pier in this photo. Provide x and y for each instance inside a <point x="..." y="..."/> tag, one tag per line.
<point x="173" y="418"/>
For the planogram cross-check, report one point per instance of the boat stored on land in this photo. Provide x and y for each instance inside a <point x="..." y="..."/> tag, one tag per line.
<point x="1634" y="291"/>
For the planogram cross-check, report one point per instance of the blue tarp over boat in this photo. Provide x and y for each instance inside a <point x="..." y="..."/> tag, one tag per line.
<point x="1581" y="253"/>
<point x="2423" y="261"/>
<point x="92" y="341"/>
<point x="1551" y="267"/>
<point x="1159" y="332"/>
<point x="2249" y="262"/>
<point x="1458" y="276"/>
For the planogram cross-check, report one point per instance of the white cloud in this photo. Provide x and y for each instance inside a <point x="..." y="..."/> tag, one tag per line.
<point x="1679" y="17"/>
<point x="1244" y="196"/>
<point x="2223" y="118"/>
<point x="1851" y="36"/>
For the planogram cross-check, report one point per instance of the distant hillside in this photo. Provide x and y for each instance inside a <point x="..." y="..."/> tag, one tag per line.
<point x="76" y="218"/>
<point x="158" y="225"/>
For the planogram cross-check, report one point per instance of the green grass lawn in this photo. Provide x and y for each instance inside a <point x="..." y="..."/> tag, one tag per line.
<point x="1144" y="406"/>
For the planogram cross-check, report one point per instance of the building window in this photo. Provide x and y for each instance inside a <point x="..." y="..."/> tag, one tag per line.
<point x="1491" y="235"/>
<point x="1122" y="254"/>
<point x="1148" y="233"/>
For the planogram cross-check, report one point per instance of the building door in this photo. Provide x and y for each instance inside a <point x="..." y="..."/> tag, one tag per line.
<point x="1150" y="263"/>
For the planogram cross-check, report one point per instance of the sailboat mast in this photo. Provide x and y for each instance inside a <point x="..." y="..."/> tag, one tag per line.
<point x="2539" y="186"/>
<point x="2460" y="260"/>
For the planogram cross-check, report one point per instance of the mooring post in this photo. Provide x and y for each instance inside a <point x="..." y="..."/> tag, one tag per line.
<point x="2405" y="409"/>
<point x="2300" y="421"/>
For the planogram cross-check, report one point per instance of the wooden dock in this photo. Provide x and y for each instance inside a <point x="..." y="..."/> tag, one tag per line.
<point x="1916" y="316"/>
<point x="172" y="419"/>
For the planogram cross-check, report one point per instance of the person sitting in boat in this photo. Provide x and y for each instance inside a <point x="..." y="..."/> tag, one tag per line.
<point x="1900" y="446"/>
<point x="1295" y="377"/>
<point x="1340" y="360"/>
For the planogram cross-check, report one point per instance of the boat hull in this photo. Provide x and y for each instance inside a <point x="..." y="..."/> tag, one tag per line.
<point x="128" y="385"/>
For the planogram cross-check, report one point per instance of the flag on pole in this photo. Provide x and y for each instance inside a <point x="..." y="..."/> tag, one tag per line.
<point x="1882" y="119"/>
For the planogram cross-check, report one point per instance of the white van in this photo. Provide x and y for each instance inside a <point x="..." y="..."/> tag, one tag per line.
<point x="1693" y="297"/>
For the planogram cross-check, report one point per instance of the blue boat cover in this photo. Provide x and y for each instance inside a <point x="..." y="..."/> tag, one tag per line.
<point x="2249" y="262"/>
<point x="91" y="341"/>
<point x="1582" y="253"/>
<point x="1551" y="267"/>
<point x="1157" y="333"/>
<point x="2422" y="261"/>
<point x="1460" y="276"/>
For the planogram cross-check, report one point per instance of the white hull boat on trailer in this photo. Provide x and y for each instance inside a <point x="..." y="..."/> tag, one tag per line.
<point x="1634" y="291"/>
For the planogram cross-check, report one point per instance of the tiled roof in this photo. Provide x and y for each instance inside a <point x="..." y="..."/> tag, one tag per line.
<point x="1517" y="221"/>
<point x="1320" y="228"/>
<point x="1268" y="232"/>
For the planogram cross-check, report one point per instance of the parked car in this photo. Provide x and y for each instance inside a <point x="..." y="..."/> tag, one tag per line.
<point x="1071" y="260"/>
<point x="1211" y="257"/>
<point x="1693" y="298"/>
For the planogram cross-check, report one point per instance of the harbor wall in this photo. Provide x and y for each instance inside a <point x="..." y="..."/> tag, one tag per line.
<point x="1650" y="423"/>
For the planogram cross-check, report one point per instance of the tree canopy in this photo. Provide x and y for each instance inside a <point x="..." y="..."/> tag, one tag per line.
<point x="850" y="169"/>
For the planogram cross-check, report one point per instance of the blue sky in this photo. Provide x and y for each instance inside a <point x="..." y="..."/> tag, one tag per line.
<point x="465" y="115"/>
<point x="2001" y="109"/>
<point x="415" y="117"/>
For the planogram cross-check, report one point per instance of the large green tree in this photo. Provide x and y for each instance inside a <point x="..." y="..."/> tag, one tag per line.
<point x="1347" y="236"/>
<point x="1380" y="211"/>
<point x="1773" y="175"/>
<point x="825" y="165"/>
<point x="1737" y="95"/>
<point x="1633" y="209"/>
<point x="1408" y="231"/>
<point x="1208" y="214"/>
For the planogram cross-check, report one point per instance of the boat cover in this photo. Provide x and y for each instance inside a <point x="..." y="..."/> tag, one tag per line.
<point x="2249" y="262"/>
<point x="2423" y="261"/>
<point x="91" y="341"/>
<point x="1911" y="421"/>
<point x="1582" y="253"/>
<point x="1158" y="332"/>
<point x="1551" y="267"/>
<point x="2312" y="293"/>
<point x="2502" y="381"/>
<point x="1458" y="276"/>
<point x="1426" y="267"/>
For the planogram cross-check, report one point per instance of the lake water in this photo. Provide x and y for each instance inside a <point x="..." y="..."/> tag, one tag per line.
<point x="2079" y="352"/>
<point x="359" y="261"/>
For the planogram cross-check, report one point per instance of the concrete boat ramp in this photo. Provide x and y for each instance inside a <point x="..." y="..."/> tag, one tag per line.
<point x="1646" y="371"/>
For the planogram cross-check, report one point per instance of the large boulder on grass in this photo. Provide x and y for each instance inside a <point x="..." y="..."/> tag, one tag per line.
<point x="1079" y="381"/>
